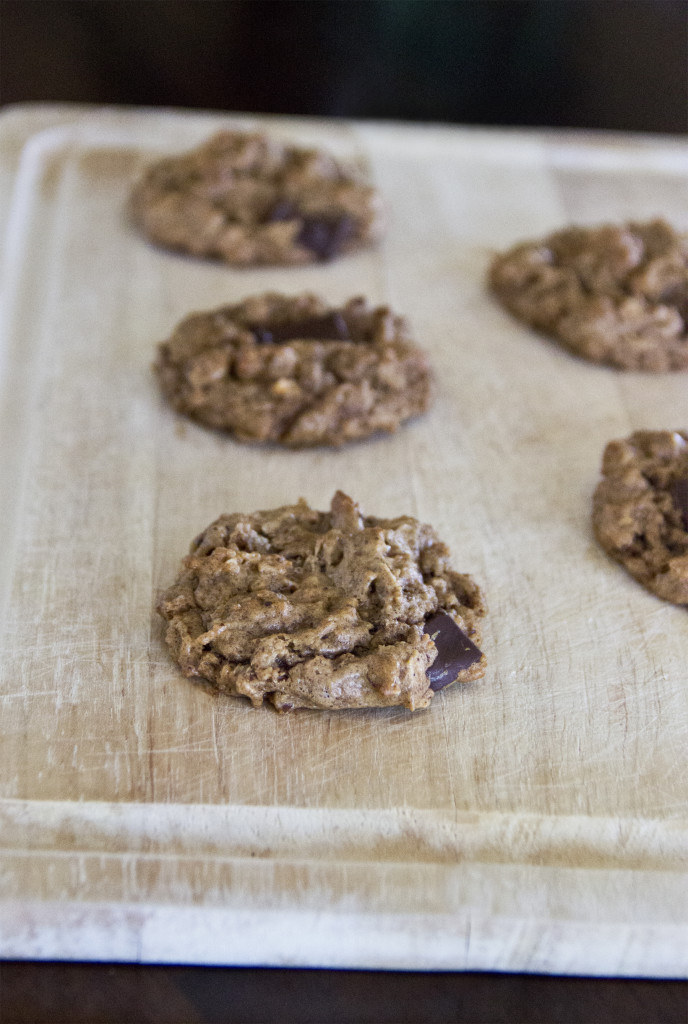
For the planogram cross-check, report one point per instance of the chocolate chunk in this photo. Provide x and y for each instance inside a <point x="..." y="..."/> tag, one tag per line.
<point x="329" y="327"/>
<point x="455" y="652"/>
<point x="325" y="236"/>
<point x="282" y="210"/>
<point x="679" y="496"/>
<point x="263" y="336"/>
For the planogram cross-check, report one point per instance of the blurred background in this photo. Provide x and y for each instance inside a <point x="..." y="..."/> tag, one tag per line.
<point x="610" y="64"/>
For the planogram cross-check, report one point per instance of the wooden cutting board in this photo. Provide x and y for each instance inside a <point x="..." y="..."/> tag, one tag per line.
<point x="537" y="820"/>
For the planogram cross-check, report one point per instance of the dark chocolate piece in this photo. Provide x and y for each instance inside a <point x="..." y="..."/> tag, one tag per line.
<point x="263" y="336"/>
<point x="325" y="235"/>
<point x="455" y="652"/>
<point x="322" y="235"/>
<point x="679" y="496"/>
<point x="282" y="210"/>
<point x="329" y="327"/>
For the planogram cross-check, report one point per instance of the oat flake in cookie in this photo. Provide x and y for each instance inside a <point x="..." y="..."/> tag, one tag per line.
<point x="327" y="610"/>
<point x="612" y="294"/>
<point x="295" y="371"/>
<point x="248" y="199"/>
<point x="640" y="509"/>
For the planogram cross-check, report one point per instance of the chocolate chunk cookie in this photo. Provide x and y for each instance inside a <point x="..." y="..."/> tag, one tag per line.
<point x="612" y="294"/>
<point x="640" y="509"/>
<point x="294" y="370"/>
<point x="328" y="610"/>
<point x="248" y="199"/>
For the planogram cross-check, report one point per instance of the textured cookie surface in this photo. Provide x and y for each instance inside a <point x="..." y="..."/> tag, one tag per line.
<point x="324" y="609"/>
<point x="248" y="199"/>
<point x="295" y="371"/>
<point x="613" y="294"/>
<point x="640" y="509"/>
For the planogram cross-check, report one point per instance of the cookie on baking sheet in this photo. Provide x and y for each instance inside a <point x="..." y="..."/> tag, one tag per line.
<point x="640" y="509"/>
<point x="245" y="198"/>
<point x="612" y="294"/>
<point x="327" y="610"/>
<point x="294" y="370"/>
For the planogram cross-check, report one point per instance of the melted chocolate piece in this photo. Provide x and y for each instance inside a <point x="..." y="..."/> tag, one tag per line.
<point x="325" y="235"/>
<point x="679" y="496"/>
<point x="455" y="652"/>
<point x="329" y="327"/>
<point x="282" y="210"/>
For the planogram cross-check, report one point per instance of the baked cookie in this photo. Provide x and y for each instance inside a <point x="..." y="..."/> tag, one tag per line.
<point x="294" y="370"/>
<point x="640" y="509"/>
<point x="612" y="294"/>
<point x="247" y="199"/>
<point x="328" y="610"/>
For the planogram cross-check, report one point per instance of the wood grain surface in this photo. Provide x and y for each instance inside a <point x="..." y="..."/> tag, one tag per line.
<point x="537" y="820"/>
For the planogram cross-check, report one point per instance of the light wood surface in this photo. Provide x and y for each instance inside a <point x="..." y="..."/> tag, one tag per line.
<point x="537" y="820"/>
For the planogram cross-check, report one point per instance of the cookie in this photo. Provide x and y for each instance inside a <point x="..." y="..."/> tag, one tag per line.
<point x="248" y="199"/>
<point x="640" y="509"/>
<point x="295" y="371"/>
<point x="616" y="295"/>
<point x="329" y="610"/>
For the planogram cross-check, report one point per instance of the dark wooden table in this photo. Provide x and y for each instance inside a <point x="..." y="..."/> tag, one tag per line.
<point x="610" y="64"/>
<point x="78" y="993"/>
